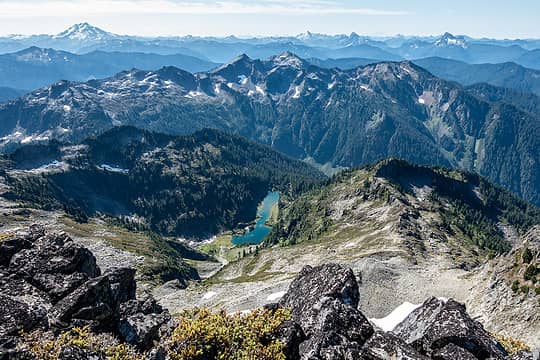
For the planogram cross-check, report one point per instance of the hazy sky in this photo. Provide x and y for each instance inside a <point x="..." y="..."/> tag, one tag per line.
<point x="490" y="18"/>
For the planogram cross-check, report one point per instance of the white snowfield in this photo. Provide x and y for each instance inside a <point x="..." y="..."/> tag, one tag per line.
<point x="276" y="296"/>
<point x="389" y="322"/>
<point x="209" y="295"/>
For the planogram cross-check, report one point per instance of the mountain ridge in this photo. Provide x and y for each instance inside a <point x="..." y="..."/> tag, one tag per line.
<point x="194" y="186"/>
<point x="297" y="108"/>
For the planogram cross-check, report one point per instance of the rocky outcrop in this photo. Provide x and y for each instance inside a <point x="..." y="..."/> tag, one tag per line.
<point x="48" y="282"/>
<point x="323" y="303"/>
<point x="439" y="323"/>
<point x="326" y="324"/>
<point x="388" y="346"/>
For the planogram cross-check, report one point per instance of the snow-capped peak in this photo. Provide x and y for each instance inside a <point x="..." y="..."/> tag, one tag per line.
<point x="305" y="36"/>
<point x="450" y="40"/>
<point x="84" y="31"/>
<point x="288" y="59"/>
<point x="354" y="36"/>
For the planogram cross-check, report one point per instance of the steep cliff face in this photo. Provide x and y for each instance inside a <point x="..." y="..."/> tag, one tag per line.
<point x="506" y="296"/>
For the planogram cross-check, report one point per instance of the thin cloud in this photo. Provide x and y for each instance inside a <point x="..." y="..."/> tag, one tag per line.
<point x="12" y="8"/>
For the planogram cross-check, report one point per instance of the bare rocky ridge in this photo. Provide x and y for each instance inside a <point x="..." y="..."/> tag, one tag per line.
<point x="339" y="118"/>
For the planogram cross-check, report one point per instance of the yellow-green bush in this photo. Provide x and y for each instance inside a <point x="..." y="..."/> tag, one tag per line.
<point x="46" y="346"/>
<point x="202" y="334"/>
<point x="510" y="344"/>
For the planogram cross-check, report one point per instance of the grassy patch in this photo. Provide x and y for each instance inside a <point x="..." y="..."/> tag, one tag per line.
<point x="162" y="262"/>
<point x="274" y="213"/>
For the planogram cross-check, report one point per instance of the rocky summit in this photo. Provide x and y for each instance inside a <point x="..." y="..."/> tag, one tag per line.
<point x="51" y="286"/>
<point x="48" y="282"/>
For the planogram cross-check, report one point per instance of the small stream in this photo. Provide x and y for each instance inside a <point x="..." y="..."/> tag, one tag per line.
<point x="261" y="230"/>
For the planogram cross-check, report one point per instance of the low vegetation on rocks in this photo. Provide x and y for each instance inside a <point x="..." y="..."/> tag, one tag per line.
<point x="202" y="334"/>
<point x="525" y="275"/>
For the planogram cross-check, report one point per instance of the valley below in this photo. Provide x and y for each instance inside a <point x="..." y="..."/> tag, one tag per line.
<point x="398" y="248"/>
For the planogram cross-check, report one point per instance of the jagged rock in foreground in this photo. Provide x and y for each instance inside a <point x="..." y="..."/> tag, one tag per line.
<point x="323" y="302"/>
<point x="438" y="323"/>
<point x="48" y="282"/>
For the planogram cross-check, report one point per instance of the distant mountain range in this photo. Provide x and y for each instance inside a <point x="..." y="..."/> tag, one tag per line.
<point x="331" y="116"/>
<point x="84" y="38"/>
<point x="36" y="67"/>
<point x="508" y="75"/>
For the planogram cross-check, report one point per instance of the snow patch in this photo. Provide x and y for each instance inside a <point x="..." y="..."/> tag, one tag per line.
<point x="27" y="140"/>
<point x="113" y="168"/>
<point x="243" y="79"/>
<point x="421" y="101"/>
<point x="209" y="295"/>
<point x="389" y="322"/>
<point x="276" y="296"/>
<point x="297" y="92"/>
<point x="67" y="108"/>
<point x="365" y="87"/>
<point x="260" y="90"/>
<point x="55" y="164"/>
<point x="193" y="94"/>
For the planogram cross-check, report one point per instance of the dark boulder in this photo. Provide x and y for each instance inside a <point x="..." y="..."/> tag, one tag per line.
<point x="57" y="286"/>
<point x="16" y="315"/>
<point x="22" y="306"/>
<point x="453" y="352"/>
<point x="438" y="323"/>
<point x="10" y="247"/>
<point x="142" y="329"/>
<point x="333" y="315"/>
<point x="382" y="346"/>
<point x="78" y="353"/>
<point x="145" y="305"/>
<point x="92" y="303"/>
<point x="313" y="283"/>
<point x="123" y="283"/>
<point x="329" y="346"/>
<point x="291" y="335"/>
<point x="141" y="321"/>
<point x="48" y="282"/>
<point x="54" y="254"/>
<point x="323" y="302"/>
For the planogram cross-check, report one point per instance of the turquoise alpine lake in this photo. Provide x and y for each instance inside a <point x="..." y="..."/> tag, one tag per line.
<point x="261" y="230"/>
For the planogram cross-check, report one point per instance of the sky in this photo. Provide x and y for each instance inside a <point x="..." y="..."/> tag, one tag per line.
<point x="478" y="18"/>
